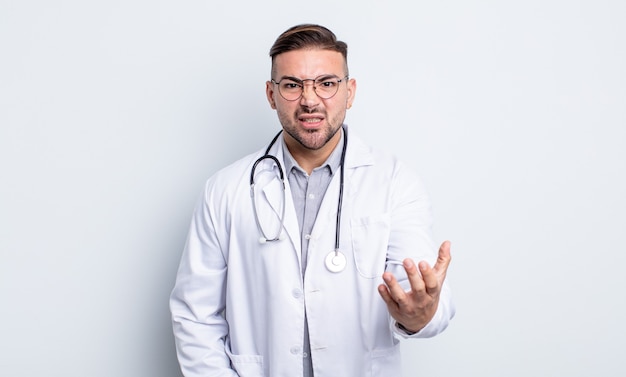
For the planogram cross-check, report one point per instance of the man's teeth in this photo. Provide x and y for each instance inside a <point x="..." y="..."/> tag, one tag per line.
<point x="312" y="120"/>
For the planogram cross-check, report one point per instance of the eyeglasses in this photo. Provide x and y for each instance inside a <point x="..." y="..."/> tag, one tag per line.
<point x="325" y="86"/>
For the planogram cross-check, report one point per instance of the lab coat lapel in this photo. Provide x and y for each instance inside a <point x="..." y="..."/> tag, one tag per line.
<point x="357" y="155"/>
<point x="291" y="222"/>
<point x="273" y="193"/>
<point x="274" y="197"/>
<point x="327" y="216"/>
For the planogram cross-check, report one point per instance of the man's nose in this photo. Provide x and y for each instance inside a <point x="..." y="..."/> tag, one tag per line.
<point x="308" y="92"/>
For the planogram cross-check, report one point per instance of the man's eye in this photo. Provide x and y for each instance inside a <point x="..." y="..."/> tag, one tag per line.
<point x="328" y="83"/>
<point x="291" y="85"/>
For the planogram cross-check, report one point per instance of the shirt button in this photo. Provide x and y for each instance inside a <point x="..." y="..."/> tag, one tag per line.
<point x="307" y="236"/>
<point x="311" y="196"/>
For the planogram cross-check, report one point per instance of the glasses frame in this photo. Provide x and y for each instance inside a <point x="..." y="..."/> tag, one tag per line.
<point x="301" y="83"/>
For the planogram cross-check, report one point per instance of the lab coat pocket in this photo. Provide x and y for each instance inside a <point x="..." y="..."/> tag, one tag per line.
<point x="386" y="362"/>
<point x="247" y="365"/>
<point x="370" y="237"/>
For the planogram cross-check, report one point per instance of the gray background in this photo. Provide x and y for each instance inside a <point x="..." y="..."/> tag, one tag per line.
<point x="113" y="114"/>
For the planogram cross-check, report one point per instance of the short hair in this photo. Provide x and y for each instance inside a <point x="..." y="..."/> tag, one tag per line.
<point x="308" y="36"/>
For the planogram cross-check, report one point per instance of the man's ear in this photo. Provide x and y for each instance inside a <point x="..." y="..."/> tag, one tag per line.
<point x="351" y="92"/>
<point x="269" y="92"/>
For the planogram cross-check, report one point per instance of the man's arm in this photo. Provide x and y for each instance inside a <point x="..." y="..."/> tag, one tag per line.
<point x="416" y="295"/>
<point x="198" y="299"/>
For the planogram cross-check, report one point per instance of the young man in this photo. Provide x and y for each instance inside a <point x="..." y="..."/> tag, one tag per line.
<point x="314" y="275"/>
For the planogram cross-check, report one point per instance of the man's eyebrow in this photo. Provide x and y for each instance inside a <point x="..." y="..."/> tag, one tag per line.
<point x="320" y="77"/>
<point x="327" y="76"/>
<point x="290" y="78"/>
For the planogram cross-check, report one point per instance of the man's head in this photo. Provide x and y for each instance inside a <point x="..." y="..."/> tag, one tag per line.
<point x="310" y="88"/>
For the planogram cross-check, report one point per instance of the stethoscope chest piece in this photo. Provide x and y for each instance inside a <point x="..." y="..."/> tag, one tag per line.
<point x="335" y="261"/>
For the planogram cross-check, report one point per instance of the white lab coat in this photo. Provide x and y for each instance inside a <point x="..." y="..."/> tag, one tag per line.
<point x="238" y="306"/>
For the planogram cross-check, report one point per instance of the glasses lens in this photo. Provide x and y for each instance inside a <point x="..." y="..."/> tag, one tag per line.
<point x="327" y="87"/>
<point x="290" y="90"/>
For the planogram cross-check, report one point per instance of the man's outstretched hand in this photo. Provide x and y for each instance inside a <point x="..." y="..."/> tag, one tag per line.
<point x="413" y="309"/>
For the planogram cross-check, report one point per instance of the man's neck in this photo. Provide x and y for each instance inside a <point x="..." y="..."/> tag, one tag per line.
<point x="309" y="159"/>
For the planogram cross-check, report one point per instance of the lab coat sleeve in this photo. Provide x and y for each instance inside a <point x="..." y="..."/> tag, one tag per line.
<point x="412" y="236"/>
<point x="198" y="299"/>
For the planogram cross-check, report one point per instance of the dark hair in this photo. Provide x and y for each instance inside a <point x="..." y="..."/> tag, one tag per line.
<point x="308" y="36"/>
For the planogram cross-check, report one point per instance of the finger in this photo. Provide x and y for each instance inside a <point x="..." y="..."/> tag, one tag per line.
<point x="443" y="259"/>
<point x="396" y="292"/>
<point x="384" y="293"/>
<point x="415" y="278"/>
<point x="430" y="278"/>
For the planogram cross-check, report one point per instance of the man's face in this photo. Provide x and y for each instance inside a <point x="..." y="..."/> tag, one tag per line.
<point x="310" y="122"/>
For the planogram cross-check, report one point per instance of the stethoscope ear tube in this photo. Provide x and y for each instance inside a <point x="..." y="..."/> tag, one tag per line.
<point x="257" y="162"/>
<point x="265" y="238"/>
<point x="268" y="155"/>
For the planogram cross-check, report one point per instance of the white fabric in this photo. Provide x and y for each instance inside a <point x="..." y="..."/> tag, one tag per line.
<point x="238" y="306"/>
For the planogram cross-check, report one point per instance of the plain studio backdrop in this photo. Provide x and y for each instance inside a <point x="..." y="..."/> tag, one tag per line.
<point x="114" y="113"/>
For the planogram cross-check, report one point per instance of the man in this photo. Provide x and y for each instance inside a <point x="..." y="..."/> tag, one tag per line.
<point x="314" y="276"/>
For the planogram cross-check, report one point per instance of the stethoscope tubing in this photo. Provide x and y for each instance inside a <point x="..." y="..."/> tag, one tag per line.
<point x="268" y="155"/>
<point x="340" y="201"/>
<point x="264" y="238"/>
<point x="282" y="178"/>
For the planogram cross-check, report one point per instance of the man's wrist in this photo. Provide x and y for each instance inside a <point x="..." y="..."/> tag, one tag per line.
<point x="404" y="329"/>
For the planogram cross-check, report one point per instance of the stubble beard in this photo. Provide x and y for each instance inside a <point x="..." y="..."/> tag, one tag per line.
<point x="311" y="139"/>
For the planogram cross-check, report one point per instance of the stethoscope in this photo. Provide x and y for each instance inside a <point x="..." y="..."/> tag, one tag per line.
<point x="335" y="260"/>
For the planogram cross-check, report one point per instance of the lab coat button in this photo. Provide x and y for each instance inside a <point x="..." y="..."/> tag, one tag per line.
<point x="295" y="350"/>
<point x="296" y="293"/>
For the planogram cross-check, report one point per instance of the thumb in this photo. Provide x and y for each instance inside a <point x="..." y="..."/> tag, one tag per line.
<point x="443" y="259"/>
